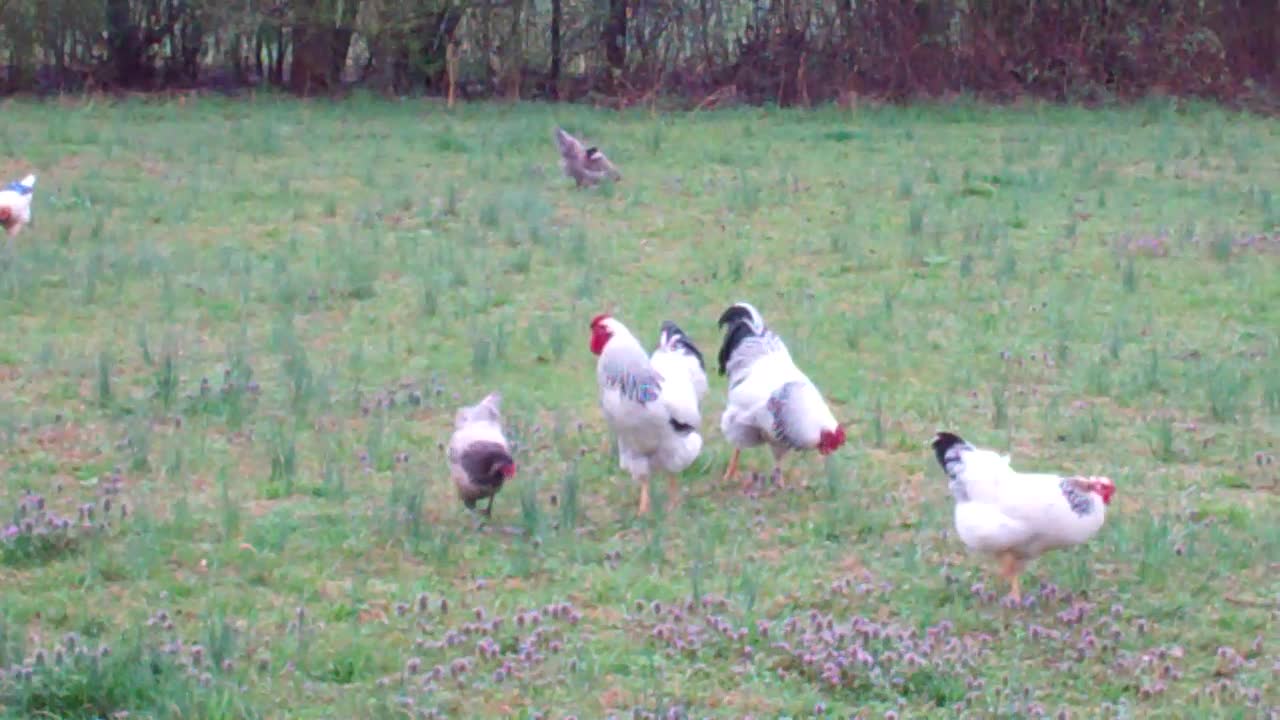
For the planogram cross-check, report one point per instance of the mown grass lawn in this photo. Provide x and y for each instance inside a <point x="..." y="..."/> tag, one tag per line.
<point x="237" y="333"/>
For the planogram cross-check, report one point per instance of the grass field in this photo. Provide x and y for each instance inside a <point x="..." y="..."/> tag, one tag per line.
<point x="234" y="339"/>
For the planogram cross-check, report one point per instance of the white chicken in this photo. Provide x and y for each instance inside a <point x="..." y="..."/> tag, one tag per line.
<point x="15" y="204"/>
<point x="479" y="457"/>
<point x="650" y="402"/>
<point x="770" y="399"/>
<point x="1016" y="516"/>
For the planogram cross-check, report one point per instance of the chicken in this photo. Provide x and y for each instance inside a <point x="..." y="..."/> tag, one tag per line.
<point x="15" y="204"/>
<point x="770" y="399"/>
<point x="586" y="166"/>
<point x="1016" y="516"/>
<point x="479" y="457"/>
<point x="650" y="402"/>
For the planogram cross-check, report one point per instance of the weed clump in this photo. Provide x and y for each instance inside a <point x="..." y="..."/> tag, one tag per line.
<point x="36" y="534"/>
<point x="75" y="680"/>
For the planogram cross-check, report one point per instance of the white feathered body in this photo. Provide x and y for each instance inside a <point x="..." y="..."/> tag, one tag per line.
<point x="15" y="203"/>
<point x="770" y="399"/>
<point x="651" y="403"/>
<point x="1000" y="510"/>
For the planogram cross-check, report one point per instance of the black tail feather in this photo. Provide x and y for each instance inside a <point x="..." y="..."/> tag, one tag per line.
<point x="734" y="313"/>
<point x="682" y="428"/>
<point x="670" y="329"/>
<point x="740" y="321"/>
<point x="738" y="330"/>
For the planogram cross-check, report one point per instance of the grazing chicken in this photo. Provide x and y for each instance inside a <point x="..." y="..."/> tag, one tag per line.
<point x="15" y="204"/>
<point x="1016" y="516"/>
<point x="479" y="457"/>
<point x="770" y="399"/>
<point x="587" y="166"/>
<point x="650" y="402"/>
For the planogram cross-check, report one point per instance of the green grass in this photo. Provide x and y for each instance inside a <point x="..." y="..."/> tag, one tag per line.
<point x="248" y="326"/>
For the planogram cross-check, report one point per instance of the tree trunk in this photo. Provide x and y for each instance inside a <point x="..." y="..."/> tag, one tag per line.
<point x="320" y="45"/>
<point x="1262" y="37"/>
<point x="277" y="62"/>
<point x="21" y="72"/>
<point x="423" y="51"/>
<point x="192" y="46"/>
<point x="615" y="36"/>
<point x="513" y="60"/>
<point x="339" y="47"/>
<point x="704" y="13"/>
<point x="124" y="38"/>
<point x="312" y="61"/>
<point x="257" y="58"/>
<point x="557" y="17"/>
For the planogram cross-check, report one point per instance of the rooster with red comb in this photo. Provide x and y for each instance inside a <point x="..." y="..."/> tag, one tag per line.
<point x="650" y="401"/>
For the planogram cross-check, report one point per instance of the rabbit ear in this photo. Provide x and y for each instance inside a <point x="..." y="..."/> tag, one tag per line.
<point x="569" y="145"/>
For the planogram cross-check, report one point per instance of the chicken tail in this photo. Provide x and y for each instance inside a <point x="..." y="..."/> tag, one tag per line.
<point x="493" y="401"/>
<point x="487" y="410"/>
<point x="23" y="187"/>
<point x="570" y="147"/>
<point x="673" y="339"/>
<point x="740" y="321"/>
<point x="742" y="312"/>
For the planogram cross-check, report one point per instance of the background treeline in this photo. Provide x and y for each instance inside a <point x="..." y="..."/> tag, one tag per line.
<point x="701" y="52"/>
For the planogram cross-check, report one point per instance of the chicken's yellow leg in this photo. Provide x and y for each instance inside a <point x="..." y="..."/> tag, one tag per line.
<point x="733" y="465"/>
<point x="644" y="495"/>
<point x="1009" y="569"/>
<point x="673" y="493"/>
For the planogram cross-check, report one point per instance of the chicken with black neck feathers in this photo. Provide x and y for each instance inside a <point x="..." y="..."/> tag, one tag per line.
<point x="650" y="401"/>
<point x="770" y="400"/>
